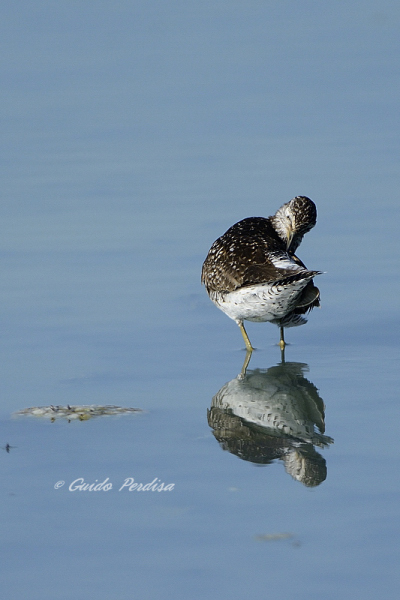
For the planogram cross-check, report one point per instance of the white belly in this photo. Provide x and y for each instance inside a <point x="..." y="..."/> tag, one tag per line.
<point x="261" y="302"/>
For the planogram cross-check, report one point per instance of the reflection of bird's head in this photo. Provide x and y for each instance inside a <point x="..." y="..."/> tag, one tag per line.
<point x="293" y="220"/>
<point x="306" y="465"/>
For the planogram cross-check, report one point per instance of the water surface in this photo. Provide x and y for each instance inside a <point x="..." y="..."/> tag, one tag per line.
<point x="132" y="139"/>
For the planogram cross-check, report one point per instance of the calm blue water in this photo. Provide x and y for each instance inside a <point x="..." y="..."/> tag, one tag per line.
<point x="134" y="136"/>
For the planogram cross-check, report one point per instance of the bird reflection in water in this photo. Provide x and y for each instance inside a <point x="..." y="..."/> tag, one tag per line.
<point x="268" y="414"/>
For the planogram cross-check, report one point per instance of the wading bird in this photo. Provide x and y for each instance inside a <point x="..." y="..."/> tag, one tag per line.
<point x="252" y="273"/>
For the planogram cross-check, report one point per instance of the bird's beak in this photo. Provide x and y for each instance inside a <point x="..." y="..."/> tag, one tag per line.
<point x="289" y="237"/>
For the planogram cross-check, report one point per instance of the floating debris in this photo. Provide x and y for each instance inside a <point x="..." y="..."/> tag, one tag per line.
<point x="274" y="537"/>
<point x="7" y="448"/>
<point x="81" y="413"/>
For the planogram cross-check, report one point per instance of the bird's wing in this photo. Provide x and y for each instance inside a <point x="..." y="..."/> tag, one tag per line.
<point x="231" y="265"/>
<point x="309" y="297"/>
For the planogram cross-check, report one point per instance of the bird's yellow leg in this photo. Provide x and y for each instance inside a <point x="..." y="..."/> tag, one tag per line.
<point x="282" y="343"/>
<point x="249" y="347"/>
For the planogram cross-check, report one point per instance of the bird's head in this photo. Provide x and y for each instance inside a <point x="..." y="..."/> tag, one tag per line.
<point x="293" y="220"/>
